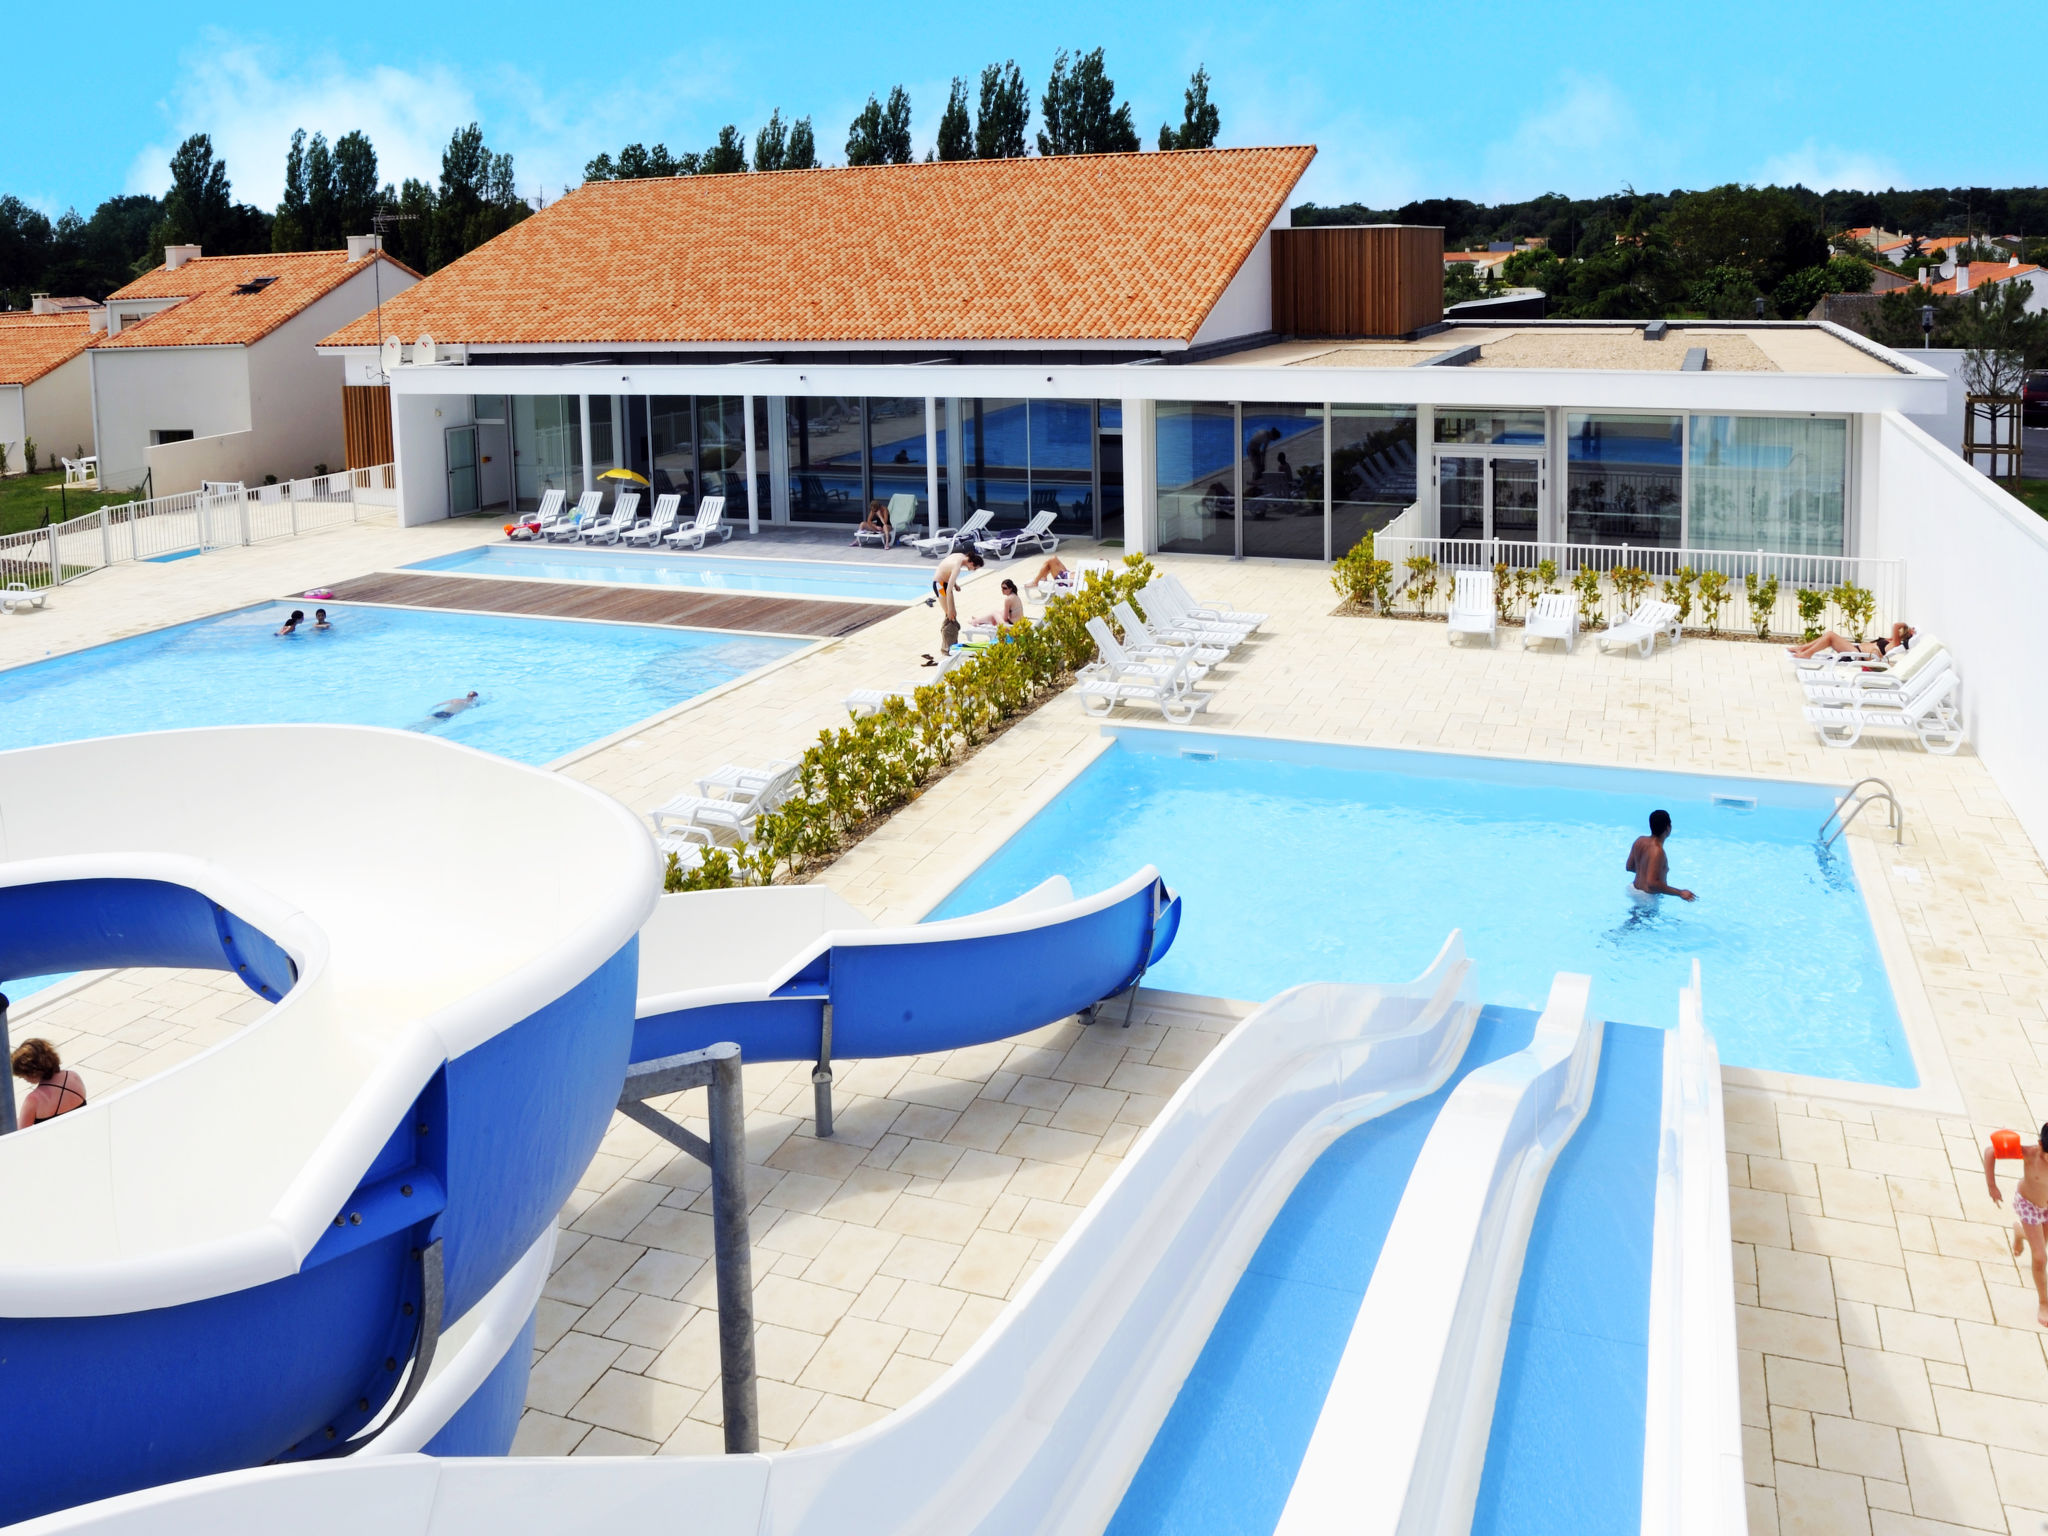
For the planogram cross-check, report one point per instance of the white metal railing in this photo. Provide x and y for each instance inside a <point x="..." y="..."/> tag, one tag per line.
<point x="216" y="517"/>
<point x="1885" y="580"/>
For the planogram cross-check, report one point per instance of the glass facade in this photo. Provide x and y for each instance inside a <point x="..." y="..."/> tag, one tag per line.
<point x="722" y="450"/>
<point x="1281" y="474"/>
<point x="825" y="459"/>
<point x="1197" y="469"/>
<point x="1624" y="480"/>
<point x="995" y="457"/>
<point x="1776" y="483"/>
<point x="896" y="456"/>
<point x="1490" y="427"/>
<point x="1372" y="469"/>
<point x="1063" y="463"/>
<point x="547" y="447"/>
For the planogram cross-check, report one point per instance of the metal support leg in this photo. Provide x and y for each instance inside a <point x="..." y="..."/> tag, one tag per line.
<point x="821" y="1076"/>
<point x="433" y="1297"/>
<point x="717" y="1068"/>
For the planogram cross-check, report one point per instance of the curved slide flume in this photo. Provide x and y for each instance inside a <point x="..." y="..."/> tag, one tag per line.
<point x="234" y="1261"/>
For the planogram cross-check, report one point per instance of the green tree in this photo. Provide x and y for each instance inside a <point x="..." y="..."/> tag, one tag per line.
<point x="288" y="227"/>
<point x="409" y="231"/>
<point x="1794" y="298"/>
<point x="2003" y="339"/>
<point x="201" y="210"/>
<point x="1723" y="292"/>
<point x="1079" y="113"/>
<point x="355" y="184"/>
<point x="771" y="144"/>
<point x="880" y="135"/>
<point x="803" y="147"/>
<point x="956" y="132"/>
<point x="1199" y="122"/>
<point x="726" y="156"/>
<point x="26" y="238"/>
<point x="1762" y="232"/>
<point x="477" y="200"/>
<point x="1005" y="113"/>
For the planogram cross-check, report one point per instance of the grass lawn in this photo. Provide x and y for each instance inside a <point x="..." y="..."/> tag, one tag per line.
<point x="2035" y="494"/>
<point x="24" y="498"/>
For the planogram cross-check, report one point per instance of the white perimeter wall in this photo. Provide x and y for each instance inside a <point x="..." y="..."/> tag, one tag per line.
<point x="418" y="425"/>
<point x="1976" y="570"/>
<point x="139" y="390"/>
<point x="175" y="468"/>
<point x="1946" y="425"/>
<point x="297" y="409"/>
<point x="59" y="408"/>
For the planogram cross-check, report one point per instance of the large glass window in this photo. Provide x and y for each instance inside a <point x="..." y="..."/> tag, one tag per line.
<point x="547" y="447"/>
<point x="1623" y="479"/>
<point x="896" y="456"/>
<point x="722" y="450"/>
<point x="1487" y="427"/>
<point x="1282" y="476"/>
<point x="1775" y="483"/>
<point x="1372" y="469"/>
<point x="1197" y="477"/>
<point x="603" y="454"/>
<point x="825" y="479"/>
<point x="1063" y="463"/>
<point x="674" y="468"/>
<point x="995" y="439"/>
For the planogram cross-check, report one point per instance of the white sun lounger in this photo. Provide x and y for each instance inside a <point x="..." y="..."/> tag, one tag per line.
<point x="1072" y="579"/>
<point x="1927" y="707"/>
<point x="869" y="701"/>
<point x="1851" y="685"/>
<point x="1120" y="678"/>
<point x="1554" y="617"/>
<point x="1833" y="669"/>
<point x="1037" y="533"/>
<point x="609" y="530"/>
<point x="545" y="516"/>
<point x="940" y="544"/>
<point x="710" y="521"/>
<point x="1140" y="639"/>
<point x="1197" y="609"/>
<point x="1653" y="620"/>
<point x="571" y="523"/>
<point x="701" y="817"/>
<point x="735" y="776"/>
<point x="19" y="594"/>
<point x="666" y="510"/>
<point x="1472" y="610"/>
<point x="902" y="516"/>
<point x="1170" y="606"/>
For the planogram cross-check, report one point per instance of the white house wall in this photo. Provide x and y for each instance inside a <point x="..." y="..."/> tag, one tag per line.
<point x="419" y="424"/>
<point x="139" y="390"/>
<point x="297" y="410"/>
<point x="11" y="426"/>
<point x="59" y="408"/>
<point x="1246" y="308"/>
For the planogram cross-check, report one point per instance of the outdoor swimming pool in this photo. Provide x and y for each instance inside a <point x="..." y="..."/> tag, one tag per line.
<point x="545" y="686"/>
<point x="1300" y="863"/>
<point x="697" y="573"/>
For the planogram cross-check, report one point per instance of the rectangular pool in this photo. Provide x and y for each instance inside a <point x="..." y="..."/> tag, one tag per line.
<point x="545" y="686"/>
<point x="1299" y="862"/>
<point x="697" y="573"/>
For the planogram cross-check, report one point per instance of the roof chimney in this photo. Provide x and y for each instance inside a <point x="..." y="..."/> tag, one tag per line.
<point x="175" y="256"/>
<point x="360" y="246"/>
<point x="39" y="304"/>
<point x="1962" y="277"/>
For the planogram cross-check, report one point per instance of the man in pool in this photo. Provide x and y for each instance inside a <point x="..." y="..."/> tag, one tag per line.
<point x="320" y="619"/>
<point x="1649" y="864"/>
<point x="2029" y="1204"/>
<point x="448" y="709"/>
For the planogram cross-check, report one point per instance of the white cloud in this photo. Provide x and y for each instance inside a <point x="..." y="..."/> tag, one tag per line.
<point x="1827" y="168"/>
<point x="1360" y="157"/>
<point x="1586" y="140"/>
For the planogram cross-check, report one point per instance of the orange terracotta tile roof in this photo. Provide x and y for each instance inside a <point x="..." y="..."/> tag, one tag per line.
<point x="1063" y="248"/>
<point x="213" y="314"/>
<point x="31" y="345"/>
<point x="1982" y="272"/>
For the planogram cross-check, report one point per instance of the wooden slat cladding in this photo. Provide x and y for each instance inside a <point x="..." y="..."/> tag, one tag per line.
<point x="617" y="604"/>
<point x="1356" y="280"/>
<point x="366" y="424"/>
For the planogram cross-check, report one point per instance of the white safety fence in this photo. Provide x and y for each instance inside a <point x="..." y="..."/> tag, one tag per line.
<point x="216" y="517"/>
<point x="1402" y="540"/>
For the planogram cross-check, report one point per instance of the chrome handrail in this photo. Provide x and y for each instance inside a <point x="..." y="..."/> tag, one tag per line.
<point x="1895" y="814"/>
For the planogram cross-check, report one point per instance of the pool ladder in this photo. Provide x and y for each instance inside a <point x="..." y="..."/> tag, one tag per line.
<point x="1896" y="818"/>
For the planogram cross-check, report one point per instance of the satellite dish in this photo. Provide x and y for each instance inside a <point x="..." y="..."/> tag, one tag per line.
<point x="393" y="353"/>
<point x="423" y="349"/>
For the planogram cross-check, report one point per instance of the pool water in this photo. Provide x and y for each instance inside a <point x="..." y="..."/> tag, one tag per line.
<point x="1303" y="863"/>
<point x="545" y="686"/>
<point x="706" y="573"/>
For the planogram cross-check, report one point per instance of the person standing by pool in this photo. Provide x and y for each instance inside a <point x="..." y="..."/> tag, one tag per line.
<point x="291" y="625"/>
<point x="448" y="709"/>
<point x="1648" y="862"/>
<point x="57" y="1091"/>
<point x="2029" y="1205"/>
<point x="945" y="588"/>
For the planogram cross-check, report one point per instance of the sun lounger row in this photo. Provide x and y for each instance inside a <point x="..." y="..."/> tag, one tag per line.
<point x="727" y="804"/>
<point x="1915" y="690"/>
<point x="586" y="522"/>
<point x="1555" y="616"/>
<point x="1007" y="545"/>
<point x="1161" y="658"/>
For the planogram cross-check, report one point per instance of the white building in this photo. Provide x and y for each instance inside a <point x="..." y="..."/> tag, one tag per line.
<point x="45" y="387"/>
<point x="208" y="368"/>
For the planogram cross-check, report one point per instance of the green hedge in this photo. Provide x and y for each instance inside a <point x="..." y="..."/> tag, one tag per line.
<point x="865" y="770"/>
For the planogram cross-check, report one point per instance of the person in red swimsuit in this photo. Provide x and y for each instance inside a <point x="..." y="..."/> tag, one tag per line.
<point x="57" y="1091"/>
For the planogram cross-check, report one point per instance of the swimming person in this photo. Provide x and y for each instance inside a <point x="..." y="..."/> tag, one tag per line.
<point x="320" y="619"/>
<point x="1013" y="607"/>
<point x="1649" y="864"/>
<point x="448" y="709"/>
<point x="58" y="1090"/>
<point x="291" y="625"/>
<point x="945" y="586"/>
<point x="1901" y="636"/>
<point x="2029" y="1207"/>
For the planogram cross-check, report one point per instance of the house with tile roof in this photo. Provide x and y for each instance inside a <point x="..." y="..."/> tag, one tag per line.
<point x="207" y="367"/>
<point x="1140" y="345"/>
<point x="1961" y="277"/>
<point x="45" y="386"/>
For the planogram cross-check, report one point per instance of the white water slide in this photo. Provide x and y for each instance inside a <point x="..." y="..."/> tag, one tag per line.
<point x="1093" y="1402"/>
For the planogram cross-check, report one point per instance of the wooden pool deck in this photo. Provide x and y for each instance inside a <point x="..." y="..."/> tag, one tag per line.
<point x="766" y="614"/>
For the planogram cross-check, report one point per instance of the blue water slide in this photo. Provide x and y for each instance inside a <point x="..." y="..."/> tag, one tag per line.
<point x="253" y="1256"/>
<point x="796" y="974"/>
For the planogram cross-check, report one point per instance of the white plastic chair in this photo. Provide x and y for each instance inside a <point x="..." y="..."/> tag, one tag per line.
<point x="940" y="544"/>
<point x="1037" y="533"/>
<point x="1555" y="616"/>
<point x="1927" y="707"/>
<point x="1642" y="629"/>
<point x="625" y="511"/>
<point x="710" y="521"/>
<point x="566" y="527"/>
<point x="1472" y="610"/>
<point x="655" y="529"/>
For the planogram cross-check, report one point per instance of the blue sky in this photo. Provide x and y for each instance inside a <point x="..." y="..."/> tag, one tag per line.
<point x="1404" y="100"/>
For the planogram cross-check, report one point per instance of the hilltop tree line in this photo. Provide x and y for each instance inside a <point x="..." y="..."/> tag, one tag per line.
<point x="1078" y="111"/>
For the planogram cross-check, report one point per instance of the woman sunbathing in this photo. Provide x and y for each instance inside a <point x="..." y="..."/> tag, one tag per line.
<point x="1900" y="637"/>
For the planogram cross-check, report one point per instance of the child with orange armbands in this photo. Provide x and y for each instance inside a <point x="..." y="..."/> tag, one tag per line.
<point x="2029" y="1202"/>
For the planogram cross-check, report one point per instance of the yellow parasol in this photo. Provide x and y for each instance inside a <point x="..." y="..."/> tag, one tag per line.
<point x="623" y="474"/>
